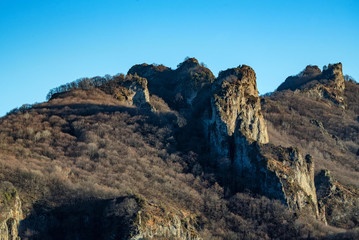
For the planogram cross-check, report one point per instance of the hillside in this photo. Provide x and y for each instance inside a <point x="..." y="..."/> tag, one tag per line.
<point x="180" y="154"/>
<point x="320" y="117"/>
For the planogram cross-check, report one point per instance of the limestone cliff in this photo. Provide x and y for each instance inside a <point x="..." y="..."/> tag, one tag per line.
<point x="295" y="175"/>
<point x="338" y="204"/>
<point x="133" y="90"/>
<point x="10" y="212"/>
<point x="328" y="84"/>
<point x="236" y="116"/>
<point x="237" y="134"/>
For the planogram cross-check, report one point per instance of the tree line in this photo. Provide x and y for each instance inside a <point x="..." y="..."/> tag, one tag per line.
<point x="106" y="83"/>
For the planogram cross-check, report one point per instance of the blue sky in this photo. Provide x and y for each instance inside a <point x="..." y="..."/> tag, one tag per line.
<point x="44" y="44"/>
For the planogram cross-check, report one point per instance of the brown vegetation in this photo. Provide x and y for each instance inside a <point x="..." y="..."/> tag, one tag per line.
<point x="318" y="127"/>
<point x="84" y="146"/>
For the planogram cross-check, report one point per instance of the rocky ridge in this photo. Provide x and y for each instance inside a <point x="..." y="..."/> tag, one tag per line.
<point x="328" y="84"/>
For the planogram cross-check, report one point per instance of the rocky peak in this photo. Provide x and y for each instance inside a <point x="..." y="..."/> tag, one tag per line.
<point x="160" y="79"/>
<point x="327" y="84"/>
<point x="236" y="104"/>
<point x="191" y="77"/>
<point x="133" y="90"/>
<point x="334" y="74"/>
<point x="188" y="63"/>
<point x="148" y="70"/>
<point x="310" y="71"/>
<point x="242" y="72"/>
<point x="177" y="87"/>
<point x="236" y="125"/>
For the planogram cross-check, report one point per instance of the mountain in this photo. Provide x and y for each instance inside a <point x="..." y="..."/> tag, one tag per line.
<point x="180" y="154"/>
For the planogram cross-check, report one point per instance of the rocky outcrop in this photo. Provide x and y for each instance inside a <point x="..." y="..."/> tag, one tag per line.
<point x="328" y="84"/>
<point x="295" y="176"/>
<point x="157" y="222"/>
<point x="338" y="204"/>
<point x="236" y="118"/>
<point x="191" y="77"/>
<point x="238" y="135"/>
<point x="177" y="87"/>
<point x="10" y="212"/>
<point x="133" y="90"/>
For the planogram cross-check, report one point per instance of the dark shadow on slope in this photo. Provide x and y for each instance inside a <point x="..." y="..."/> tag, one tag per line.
<point x="82" y="219"/>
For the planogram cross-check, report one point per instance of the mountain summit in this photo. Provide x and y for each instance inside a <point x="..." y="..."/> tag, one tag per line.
<point x="328" y="83"/>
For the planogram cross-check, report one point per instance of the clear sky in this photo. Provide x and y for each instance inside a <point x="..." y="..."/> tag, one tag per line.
<point x="44" y="44"/>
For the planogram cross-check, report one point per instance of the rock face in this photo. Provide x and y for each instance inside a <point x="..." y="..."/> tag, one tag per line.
<point x="237" y="134"/>
<point x="295" y="176"/>
<point x="328" y="84"/>
<point x="133" y="90"/>
<point x="154" y="222"/>
<point x="191" y="77"/>
<point x="10" y="212"/>
<point x="236" y="104"/>
<point x="236" y="118"/>
<point x="159" y="77"/>
<point x="338" y="204"/>
<point x="177" y="87"/>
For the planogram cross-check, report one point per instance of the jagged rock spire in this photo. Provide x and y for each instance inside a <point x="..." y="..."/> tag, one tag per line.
<point x="238" y="135"/>
<point x="236" y="104"/>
